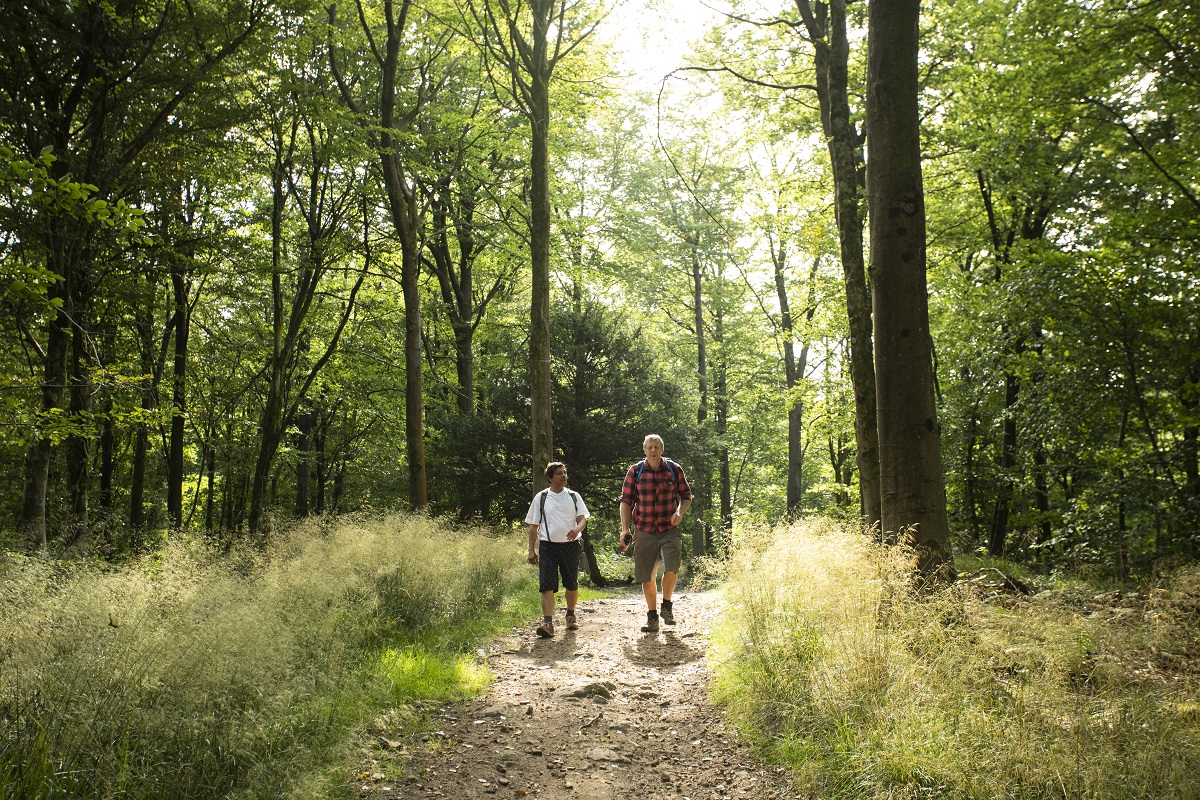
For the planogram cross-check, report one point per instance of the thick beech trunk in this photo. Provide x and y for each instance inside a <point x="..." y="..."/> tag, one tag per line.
<point x="912" y="483"/>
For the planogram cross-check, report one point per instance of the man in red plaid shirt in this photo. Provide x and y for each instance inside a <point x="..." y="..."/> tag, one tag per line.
<point x="655" y="496"/>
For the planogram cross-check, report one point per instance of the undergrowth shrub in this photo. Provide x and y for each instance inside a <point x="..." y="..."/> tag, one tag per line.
<point x="192" y="674"/>
<point x="867" y="689"/>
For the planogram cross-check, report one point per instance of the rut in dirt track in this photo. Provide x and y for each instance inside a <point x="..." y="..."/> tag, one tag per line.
<point x="602" y="712"/>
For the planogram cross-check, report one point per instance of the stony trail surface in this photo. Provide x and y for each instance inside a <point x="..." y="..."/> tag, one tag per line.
<point x="603" y="712"/>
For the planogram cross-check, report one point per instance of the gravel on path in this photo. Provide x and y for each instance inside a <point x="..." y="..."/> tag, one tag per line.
<point x="602" y="712"/>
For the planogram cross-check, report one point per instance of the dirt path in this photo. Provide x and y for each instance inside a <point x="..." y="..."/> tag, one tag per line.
<point x="602" y="712"/>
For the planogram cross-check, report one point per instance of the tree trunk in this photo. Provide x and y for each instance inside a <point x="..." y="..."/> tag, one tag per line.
<point x="304" y="423"/>
<point x="210" y="462"/>
<point x="912" y="484"/>
<point x="1041" y="494"/>
<point x="827" y="31"/>
<point x="414" y="392"/>
<point x="794" y="371"/>
<point x="63" y="255"/>
<point x="79" y="445"/>
<point x="178" y="399"/>
<point x="539" y="246"/>
<point x="319" y="436"/>
<point x="969" y="477"/>
<point x="107" y="455"/>
<point x="702" y="489"/>
<point x="593" y="566"/>
<point x="721" y="403"/>
<point x="1008" y="462"/>
<point x="792" y="374"/>
<point x="271" y="420"/>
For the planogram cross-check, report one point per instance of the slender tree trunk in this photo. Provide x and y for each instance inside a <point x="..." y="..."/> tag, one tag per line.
<point x="79" y="445"/>
<point x="1008" y="462"/>
<point x="827" y="31"/>
<point x="593" y="566"/>
<point x="794" y="369"/>
<point x="405" y="221"/>
<point x="970" y="479"/>
<point x="178" y="399"/>
<point x="210" y="462"/>
<point x="792" y="374"/>
<point x="414" y="392"/>
<point x="321" y="433"/>
<point x="304" y="424"/>
<point x="539" y="245"/>
<point x="721" y="403"/>
<point x="271" y="419"/>
<point x="912" y="484"/>
<point x="1122" y="526"/>
<point x="107" y="455"/>
<point x="1041" y="494"/>
<point x="702" y="491"/>
<point x="58" y="340"/>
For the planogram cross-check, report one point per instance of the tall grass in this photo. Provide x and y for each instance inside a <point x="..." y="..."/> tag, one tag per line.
<point x="868" y="690"/>
<point x="189" y="674"/>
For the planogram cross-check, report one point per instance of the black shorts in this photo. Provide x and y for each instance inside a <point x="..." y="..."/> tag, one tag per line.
<point x="555" y="558"/>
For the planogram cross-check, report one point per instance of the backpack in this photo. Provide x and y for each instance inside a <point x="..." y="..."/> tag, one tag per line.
<point x="542" y="509"/>
<point x="641" y="465"/>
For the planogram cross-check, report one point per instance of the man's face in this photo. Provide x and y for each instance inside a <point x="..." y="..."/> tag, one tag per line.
<point x="559" y="480"/>
<point x="653" y="449"/>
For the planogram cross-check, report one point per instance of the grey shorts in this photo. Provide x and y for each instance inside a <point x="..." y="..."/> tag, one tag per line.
<point x="649" y="548"/>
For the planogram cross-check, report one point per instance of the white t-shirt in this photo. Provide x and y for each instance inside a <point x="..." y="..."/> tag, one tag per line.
<point x="560" y="514"/>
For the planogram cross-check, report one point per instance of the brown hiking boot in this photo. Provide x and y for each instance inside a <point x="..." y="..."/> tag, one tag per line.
<point x="545" y="630"/>
<point x="572" y="622"/>
<point x="651" y="625"/>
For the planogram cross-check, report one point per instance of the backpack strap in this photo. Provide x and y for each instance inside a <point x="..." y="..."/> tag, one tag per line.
<point x="542" y="510"/>
<point x="641" y="465"/>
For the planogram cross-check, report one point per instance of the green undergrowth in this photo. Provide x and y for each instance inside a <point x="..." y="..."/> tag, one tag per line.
<point x="865" y="689"/>
<point x="191" y="674"/>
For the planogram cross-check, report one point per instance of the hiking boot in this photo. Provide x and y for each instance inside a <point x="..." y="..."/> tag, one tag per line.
<point x="545" y="630"/>
<point x="668" y="618"/>
<point x="651" y="625"/>
<point x="572" y="623"/>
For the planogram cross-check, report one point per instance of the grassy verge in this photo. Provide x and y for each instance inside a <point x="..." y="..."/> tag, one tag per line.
<point x="194" y="675"/>
<point x="866" y="691"/>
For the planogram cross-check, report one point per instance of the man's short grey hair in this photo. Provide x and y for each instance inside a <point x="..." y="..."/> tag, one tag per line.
<point x="654" y="437"/>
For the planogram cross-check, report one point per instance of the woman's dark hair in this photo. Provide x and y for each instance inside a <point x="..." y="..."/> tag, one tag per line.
<point x="552" y="468"/>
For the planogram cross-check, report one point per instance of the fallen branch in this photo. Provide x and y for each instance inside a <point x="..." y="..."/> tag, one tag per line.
<point x="1007" y="582"/>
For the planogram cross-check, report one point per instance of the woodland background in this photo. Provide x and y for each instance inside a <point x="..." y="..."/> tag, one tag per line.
<point x="265" y="260"/>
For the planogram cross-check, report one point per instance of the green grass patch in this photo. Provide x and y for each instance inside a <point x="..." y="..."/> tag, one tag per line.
<point x="196" y="675"/>
<point x="865" y="689"/>
<point x="417" y="675"/>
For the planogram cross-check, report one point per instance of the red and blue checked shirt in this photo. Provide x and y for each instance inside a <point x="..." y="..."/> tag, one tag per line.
<point x="654" y="497"/>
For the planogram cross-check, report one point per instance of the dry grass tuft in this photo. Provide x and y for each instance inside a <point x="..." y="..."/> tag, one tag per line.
<point x="866" y="689"/>
<point x="195" y="675"/>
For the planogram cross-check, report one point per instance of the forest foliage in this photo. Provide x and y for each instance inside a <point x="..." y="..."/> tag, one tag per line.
<point x="215" y="250"/>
